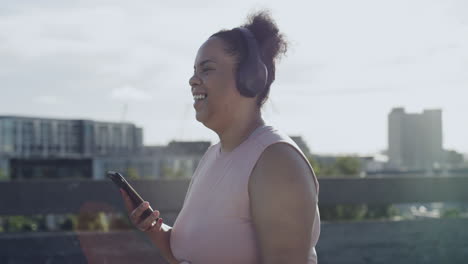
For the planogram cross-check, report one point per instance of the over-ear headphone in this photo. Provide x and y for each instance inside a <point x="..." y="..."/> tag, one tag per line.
<point x="252" y="73"/>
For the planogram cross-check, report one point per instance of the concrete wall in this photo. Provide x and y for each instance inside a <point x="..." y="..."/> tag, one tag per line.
<point x="409" y="242"/>
<point x="383" y="242"/>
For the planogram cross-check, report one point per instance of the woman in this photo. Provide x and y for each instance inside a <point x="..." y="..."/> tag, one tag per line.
<point x="253" y="196"/>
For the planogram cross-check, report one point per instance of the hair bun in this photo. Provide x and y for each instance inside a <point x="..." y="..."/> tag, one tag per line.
<point x="271" y="42"/>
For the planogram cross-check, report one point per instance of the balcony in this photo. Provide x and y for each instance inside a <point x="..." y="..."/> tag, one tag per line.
<point x="441" y="240"/>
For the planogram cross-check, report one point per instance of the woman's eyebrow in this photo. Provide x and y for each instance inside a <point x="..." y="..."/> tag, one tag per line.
<point x="204" y="62"/>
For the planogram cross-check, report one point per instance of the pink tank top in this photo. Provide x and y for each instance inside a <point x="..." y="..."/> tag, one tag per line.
<point x="215" y="225"/>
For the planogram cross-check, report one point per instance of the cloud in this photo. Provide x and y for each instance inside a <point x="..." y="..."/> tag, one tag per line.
<point x="130" y="93"/>
<point x="47" y="99"/>
<point x="357" y="58"/>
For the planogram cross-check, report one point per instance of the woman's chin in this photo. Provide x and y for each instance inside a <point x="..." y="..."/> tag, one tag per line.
<point x="200" y="117"/>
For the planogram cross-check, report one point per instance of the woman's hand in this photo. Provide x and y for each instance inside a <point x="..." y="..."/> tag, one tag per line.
<point x="158" y="234"/>
<point x="152" y="223"/>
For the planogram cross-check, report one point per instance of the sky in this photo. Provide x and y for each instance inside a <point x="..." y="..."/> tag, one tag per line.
<point x="348" y="64"/>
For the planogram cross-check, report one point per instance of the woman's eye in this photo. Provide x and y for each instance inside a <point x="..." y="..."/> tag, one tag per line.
<point x="206" y="69"/>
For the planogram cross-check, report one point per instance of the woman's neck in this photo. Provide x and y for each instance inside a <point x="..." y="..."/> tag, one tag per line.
<point x="237" y="132"/>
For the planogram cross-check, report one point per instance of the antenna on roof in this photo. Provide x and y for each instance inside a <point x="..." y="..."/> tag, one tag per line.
<point x="124" y="113"/>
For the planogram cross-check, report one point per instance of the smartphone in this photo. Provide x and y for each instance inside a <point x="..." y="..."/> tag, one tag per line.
<point x="120" y="181"/>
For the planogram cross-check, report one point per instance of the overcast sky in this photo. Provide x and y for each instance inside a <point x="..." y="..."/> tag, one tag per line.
<point x="349" y="64"/>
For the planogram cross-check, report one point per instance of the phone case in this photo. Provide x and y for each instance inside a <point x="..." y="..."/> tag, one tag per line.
<point x="120" y="181"/>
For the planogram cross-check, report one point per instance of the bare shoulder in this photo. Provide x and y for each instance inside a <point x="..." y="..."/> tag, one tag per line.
<point x="279" y="166"/>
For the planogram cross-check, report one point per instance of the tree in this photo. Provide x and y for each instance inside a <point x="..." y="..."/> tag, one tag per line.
<point x="347" y="165"/>
<point x="342" y="166"/>
<point x="315" y="165"/>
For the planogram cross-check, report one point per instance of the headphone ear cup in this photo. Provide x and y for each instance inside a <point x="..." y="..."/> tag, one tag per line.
<point x="243" y="81"/>
<point x="252" y="73"/>
<point x="252" y="80"/>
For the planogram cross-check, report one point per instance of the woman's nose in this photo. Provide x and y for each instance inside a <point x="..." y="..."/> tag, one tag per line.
<point x="194" y="81"/>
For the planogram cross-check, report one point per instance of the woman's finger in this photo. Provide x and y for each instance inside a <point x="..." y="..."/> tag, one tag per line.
<point x="136" y="214"/>
<point x="148" y="222"/>
<point x="157" y="226"/>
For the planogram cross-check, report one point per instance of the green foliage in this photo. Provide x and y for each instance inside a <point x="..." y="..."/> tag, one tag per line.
<point x="343" y="212"/>
<point x="171" y="173"/>
<point x="92" y="222"/>
<point x="451" y="213"/>
<point x="348" y="166"/>
<point x="357" y="212"/>
<point x="315" y="165"/>
<point x="99" y="221"/>
<point x="102" y="222"/>
<point x="19" y="223"/>
<point x="385" y="211"/>
<point x="3" y="175"/>
<point x="132" y="174"/>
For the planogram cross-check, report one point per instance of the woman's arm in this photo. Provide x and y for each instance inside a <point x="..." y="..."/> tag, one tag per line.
<point x="160" y="233"/>
<point x="162" y="240"/>
<point x="283" y="201"/>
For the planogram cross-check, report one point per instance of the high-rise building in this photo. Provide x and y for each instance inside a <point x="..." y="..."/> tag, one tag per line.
<point x="415" y="140"/>
<point x="37" y="148"/>
<point x="56" y="148"/>
<point x="44" y="137"/>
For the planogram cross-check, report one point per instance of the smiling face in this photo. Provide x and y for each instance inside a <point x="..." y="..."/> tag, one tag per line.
<point x="213" y="84"/>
